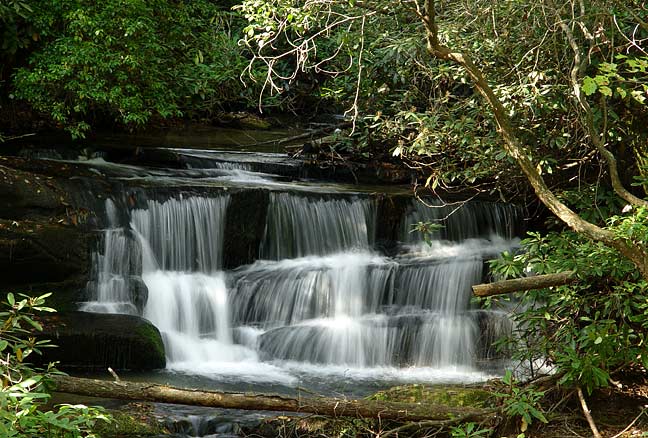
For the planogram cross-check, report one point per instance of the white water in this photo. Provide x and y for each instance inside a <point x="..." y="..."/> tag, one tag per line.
<point x="325" y="304"/>
<point x="184" y="234"/>
<point x="300" y="226"/>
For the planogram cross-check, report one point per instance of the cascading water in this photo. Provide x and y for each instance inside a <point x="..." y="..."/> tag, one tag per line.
<point x="183" y="234"/>
<point x="320" y="296"/>
<point x="299" y="226"/>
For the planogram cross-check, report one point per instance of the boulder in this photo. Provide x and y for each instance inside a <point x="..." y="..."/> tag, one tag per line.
<point x="96" y="341"/>
<point x="42" y="257"/>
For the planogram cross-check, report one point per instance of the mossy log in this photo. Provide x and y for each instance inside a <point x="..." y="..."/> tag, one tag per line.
<point x="523" y="284"/>
<point x="333" y="407"/>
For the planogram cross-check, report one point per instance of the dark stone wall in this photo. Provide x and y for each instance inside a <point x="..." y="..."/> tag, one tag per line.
<point x="391" y="209"/>
<point x="244" y="226"/>
<point x="43" y="245"/>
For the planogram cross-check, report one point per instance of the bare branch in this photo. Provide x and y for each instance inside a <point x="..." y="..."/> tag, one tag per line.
<point x="587" y="413"/>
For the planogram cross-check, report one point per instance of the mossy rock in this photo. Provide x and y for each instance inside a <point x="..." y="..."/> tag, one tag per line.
<point x="314" y="426"/>
<point x="133" y="420"/>
<point x="453" y="396"/>
<point x="96" y="341"/>
<point x="343" y="427"/>
<point x="244" y="120"/>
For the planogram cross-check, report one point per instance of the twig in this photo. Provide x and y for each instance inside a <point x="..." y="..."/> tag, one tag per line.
<point x="562" y="400"/>
<point x="630" y="425"/>
<point x="15" y="137"/>
<point x="587" y="413"/>
<point x="114" y="374"/>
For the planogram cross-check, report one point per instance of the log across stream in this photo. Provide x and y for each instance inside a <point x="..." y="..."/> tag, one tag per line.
<point x="328" y="406"/>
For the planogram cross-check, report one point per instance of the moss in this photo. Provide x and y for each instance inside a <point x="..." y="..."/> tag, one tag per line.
<point x="152" y="335"/>
<point x="454" y="396"/>
<point x="134" y="420"/>
<point x="316" y="426"/>
<point x="97" y="341"/>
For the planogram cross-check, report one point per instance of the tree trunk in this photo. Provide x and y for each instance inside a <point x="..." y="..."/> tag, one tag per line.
<point x="332" y="407"/>
<point x="637" y="253"/>
<point x="522" y="284"/>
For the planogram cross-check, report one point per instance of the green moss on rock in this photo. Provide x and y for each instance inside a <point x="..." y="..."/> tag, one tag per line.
<point x="134" y="420"/>
<point x="151" y="336"/>
<point x="97" y="341"/>
<point x="453" y="396"/>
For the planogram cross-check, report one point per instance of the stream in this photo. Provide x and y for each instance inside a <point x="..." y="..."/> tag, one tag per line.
<point x="331" y="291"/>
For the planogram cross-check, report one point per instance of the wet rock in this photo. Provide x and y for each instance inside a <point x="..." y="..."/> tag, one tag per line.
<point x="243" y="120"/>
<point x="25" y="194"/>
<point x="38" y="257"/>
<point x="244" y="227"/>
<point x="139" y="292"/>
<point x="392" y="210"/>
<point x="95" y="341"/>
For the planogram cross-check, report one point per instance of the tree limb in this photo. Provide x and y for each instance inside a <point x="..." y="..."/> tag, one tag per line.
<point x="521" y="155"/>
<point x="580" y="63"/>
<point x="523" y="284"/>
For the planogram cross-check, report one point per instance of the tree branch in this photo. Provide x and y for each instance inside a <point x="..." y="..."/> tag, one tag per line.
<point x="523" y="284"/>
<point x="587" y="413"/>
<point x="521" y="155"/>
<point x="576" y="76"/>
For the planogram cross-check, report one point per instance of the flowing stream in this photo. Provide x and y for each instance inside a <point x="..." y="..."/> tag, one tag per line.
<point x="322" y="302"/>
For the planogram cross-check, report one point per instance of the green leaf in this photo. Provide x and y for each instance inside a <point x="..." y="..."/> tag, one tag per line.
<point x="589" y="86"/>
<point x="605" y="90"/>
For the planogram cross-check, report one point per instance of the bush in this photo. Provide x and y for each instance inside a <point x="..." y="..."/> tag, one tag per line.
<point x="132" y="61"/>
<point x="25" y="388"/>
<point x="589" y="330"/>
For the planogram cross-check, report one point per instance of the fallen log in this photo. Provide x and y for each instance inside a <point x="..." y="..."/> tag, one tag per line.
<point x="523" y="284"/>
<point x="333" y="407"/>
<point x="304" y="135"/>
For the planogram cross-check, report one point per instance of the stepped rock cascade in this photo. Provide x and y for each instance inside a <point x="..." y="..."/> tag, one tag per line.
<point x="114" y="269"/>
<point x="298" y="226"/>
<point x="319" y="298"/>
<point x="184" y="234"/>
<point x="461" y="220"/>
<point x="293" y="290"/>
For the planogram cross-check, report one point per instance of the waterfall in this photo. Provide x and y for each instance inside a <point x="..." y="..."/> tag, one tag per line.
<point x="294" y="290"/>
<point x="462" y="220"/>
<point x="184" y="234"/>
<point x="299" y="226"/>
<point x="320" y="294"/>
<point x="115" y="270"/>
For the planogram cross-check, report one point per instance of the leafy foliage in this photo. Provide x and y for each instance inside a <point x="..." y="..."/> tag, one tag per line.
<point x="522" y="401"/>
<point x="589" y="330"/>
<point x="132" y="61"/>
<point x="16" y="31"/>
<point x="469" y="430"/>
<point x="24" y="388"/>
